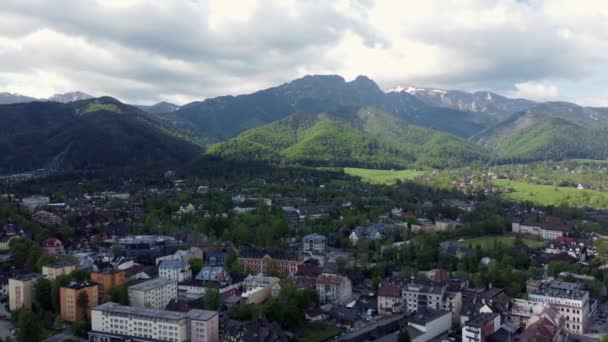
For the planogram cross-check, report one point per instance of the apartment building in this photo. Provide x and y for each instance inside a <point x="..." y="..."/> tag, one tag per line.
<point x="21" y="290"/>
<point x="479" y="327"/>
<point x="262" y="261"/>
<point x="107" y="278"/>
<point x="390" y="300"/>
<point x="153" y="294"/>
<point x="71" y="309"/>
<point x="550" y="229"/>
<point x="421" y="295"/>
<point x="177" y="270"/>
<point x="569" y="299"/>
<point x="334" y="289"/>
<point x="119" y="323"/>
<point x="314" y="243"/>
<point x="57" y="269"/>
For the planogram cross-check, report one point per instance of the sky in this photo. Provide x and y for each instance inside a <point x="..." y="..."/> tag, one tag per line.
<point x="145" y="51"/>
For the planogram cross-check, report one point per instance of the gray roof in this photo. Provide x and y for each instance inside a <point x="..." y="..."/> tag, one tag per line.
<point x="314" y="237"/>
<point x="152" y="284"/>
<point x="153" y="313"/>
<point x="174" y="264"/>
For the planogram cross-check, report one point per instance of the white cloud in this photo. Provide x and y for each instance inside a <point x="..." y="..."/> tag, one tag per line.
<point x="149" y="50"/>
<point x="536" y="91"/>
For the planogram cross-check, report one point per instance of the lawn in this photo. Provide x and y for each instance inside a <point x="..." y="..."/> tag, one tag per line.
<point x="317" y="332"/>
<point x="382" y="176"/>
<point x="487" y="242"/>
<point x="552" y="195"/>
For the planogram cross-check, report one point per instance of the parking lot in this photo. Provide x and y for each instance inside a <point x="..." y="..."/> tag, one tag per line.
<point x="600" y="323"/>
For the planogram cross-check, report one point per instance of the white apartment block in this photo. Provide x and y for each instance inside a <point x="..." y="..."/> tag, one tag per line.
<point x="177" y="270"/>
<point x="420" y="296"/>
<point x="334" y="289"/>
<point x="570" y="300"/>
<point x="545" y="232"/>
<point x="111" y="322"/>
<point x="153" y="294"/>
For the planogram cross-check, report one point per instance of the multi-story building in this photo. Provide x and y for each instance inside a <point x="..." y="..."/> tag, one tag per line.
<point x="333" y="288"/>
<point x="21" y="290"/>
<point x="177" y="270"/>
<point x="69" y="298"/>
<point x="107" y="278"/>
<point x="390" y="300"/>
<point x="420" y="295"/>
<point x="57" y="269"/>
<point x="550" y="229"/>
<point x="262" y="261"/>
<point x="112" y="322"/>
<point x="479" y="327"/>
<point x="154" y="294"/>
<point x="314" y="243"/>
<point x="427" y="324"/>
<point x="569" y="299"/>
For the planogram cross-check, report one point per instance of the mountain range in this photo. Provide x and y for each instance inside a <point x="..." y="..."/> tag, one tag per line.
<point x="314" y="120"/>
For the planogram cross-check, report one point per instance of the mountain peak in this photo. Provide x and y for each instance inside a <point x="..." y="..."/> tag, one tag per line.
<point x="70" y="97"/>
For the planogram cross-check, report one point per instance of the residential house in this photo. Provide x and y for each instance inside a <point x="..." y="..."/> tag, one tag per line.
<point x="314" y="243"/>
<point x="177" y="270"/>
<point x="52" y="246"/>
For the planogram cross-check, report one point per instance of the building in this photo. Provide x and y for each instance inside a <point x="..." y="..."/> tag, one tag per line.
<point x="119" y="323"/>
<point x="47" y="218"/>
<point x="69" y="298"/>
<point x="427" y="295"/>
<point x="33" y="202"/>
<point x="52" y="246"/>
<point x="262" y="261"/>
<point x="57" y="269"/>
<point x="214" y="274"/>
<point x="479" y="327"/>
<point x="107" y="278"/>
<point x="258" y="288"/>
<point x="21" y="290"/>
<point x="550" y="229"/>
<point x="570" y="300"/>
<point x="254" y="331"/>
<point x="334" y="289"/>
<point x="177" y="270"/>
<point x="153" y="294"/>
<point x="390" y="300"/>
<point x="314" y="243"/>
<point x="426" y="324"/>
<point x="185" y="255"/>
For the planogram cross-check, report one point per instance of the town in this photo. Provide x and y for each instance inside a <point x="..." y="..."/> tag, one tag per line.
<point x="294" y="255"/>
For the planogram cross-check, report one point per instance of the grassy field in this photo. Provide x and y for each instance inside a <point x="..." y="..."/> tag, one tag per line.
<point x="487" y="242"/>
<point x="382" y="176"/>
<point x="320" y="332"/>
<point x="552" y="195"/>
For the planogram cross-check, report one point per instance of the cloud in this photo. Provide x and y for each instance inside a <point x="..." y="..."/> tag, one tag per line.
<point x="536" y="91"/>
<point x="148" y="50"/>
